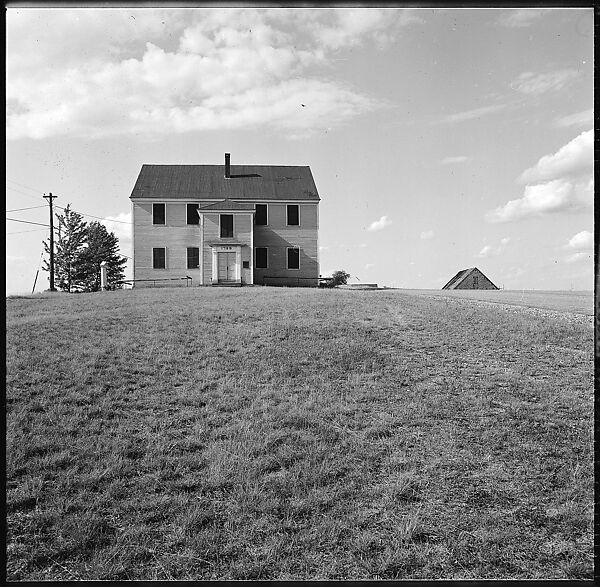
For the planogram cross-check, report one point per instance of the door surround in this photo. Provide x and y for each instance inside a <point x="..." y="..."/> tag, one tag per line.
<point x="216" y="249"/>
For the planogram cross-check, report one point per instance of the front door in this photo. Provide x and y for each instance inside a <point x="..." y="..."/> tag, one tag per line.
<point x="226" y="267"/>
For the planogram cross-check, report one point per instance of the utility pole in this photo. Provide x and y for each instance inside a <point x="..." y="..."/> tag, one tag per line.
<point x="50" y="197"/>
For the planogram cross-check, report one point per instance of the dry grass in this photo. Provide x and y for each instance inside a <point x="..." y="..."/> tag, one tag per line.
<point x="262" y="433"/>
<point x="574" y="302"/>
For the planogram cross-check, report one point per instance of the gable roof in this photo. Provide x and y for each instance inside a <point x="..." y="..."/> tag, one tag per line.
<point x="207" y="182"/>
<point x="462" y="275"/>
<point x="458" y="278"/>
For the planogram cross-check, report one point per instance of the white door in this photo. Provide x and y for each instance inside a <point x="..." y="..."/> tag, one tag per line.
<point x="226" y="266"/>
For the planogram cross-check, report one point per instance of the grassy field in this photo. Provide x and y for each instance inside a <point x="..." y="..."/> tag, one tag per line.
<point x="576" y="302"/>
<point x="262" y="433"/>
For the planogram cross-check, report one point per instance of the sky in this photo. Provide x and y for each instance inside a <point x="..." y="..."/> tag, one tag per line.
<point x="439" y="139"/>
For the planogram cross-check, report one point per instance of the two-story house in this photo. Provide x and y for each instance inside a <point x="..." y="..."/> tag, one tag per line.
<point x="231" y="225"/>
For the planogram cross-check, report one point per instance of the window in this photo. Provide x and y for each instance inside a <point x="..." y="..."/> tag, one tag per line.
<point x="293" y="258"/>
<point x="159" y="258"/>
<point x="192" y="214"/>
<point x="158" y="213"/>
<point x="260" y="217"/>
<point x="261" y="257"/>
<point x="293" y="215"/>
<point x="226" y="225"/>
<point x="193" y="258"/>
<point x="246" y="264"/>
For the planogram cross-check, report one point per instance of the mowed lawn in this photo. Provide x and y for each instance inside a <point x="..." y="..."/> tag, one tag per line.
<point x="266" y="433"/>
<point x="575" y="302"/>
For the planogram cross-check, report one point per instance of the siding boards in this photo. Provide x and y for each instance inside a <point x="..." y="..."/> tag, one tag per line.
<point x="277" y="237"/>
<point x="175" y="236"/>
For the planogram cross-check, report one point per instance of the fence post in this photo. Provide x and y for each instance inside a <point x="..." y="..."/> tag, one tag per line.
<point x="103" y="279"/>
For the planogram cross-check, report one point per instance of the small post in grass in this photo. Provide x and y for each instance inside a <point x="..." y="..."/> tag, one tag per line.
<point x="103" y="280"/>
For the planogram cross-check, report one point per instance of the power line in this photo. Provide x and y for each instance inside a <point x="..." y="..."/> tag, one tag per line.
<point x="97" y="217"/>
<point x="27" y="222"/>
<point x="25" y="231"/>
<point x="11" y="189"/>
<point x="28" y="187"/>
<point x="36" y="190"/>
<point x="20" y="209"/>
<point x="38" y="271"/>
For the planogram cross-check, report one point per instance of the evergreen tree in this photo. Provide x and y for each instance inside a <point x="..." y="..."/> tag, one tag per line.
<point x="101" y="246"/>
<point x="68" y="245"/>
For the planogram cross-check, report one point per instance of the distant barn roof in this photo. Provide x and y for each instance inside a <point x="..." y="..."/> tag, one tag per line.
<point x="462" y="275"/>
<point x="458" y="278"/>
<point x="247" y="182"/>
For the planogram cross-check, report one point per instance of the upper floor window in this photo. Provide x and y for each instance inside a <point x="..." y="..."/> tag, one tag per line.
<point x="226" y="225"/>
<point x="192" y="214"/>
<point x="159" y="258"/>
<point x="261" y="214"/>
<point x="159" y="213"/>
<point x="293" y="215"/>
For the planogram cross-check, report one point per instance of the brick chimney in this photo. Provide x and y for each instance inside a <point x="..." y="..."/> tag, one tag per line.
<point x="227" y="166"/>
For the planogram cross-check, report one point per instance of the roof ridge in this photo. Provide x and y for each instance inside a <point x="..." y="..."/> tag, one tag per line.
<point x="217" y="165"/>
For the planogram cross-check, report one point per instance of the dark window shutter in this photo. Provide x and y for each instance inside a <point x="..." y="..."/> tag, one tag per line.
<point x="193" y="258"/>
<point x="260" y="218"/>
<point x="293" y="258"/>
<point x="192" y="214"/>
<point x="293" y="215"/>
<point x="158" y="214"/>
<point x="159" y="258"/>
<point x="261" y="257"/>
<point x="226" y="225"/>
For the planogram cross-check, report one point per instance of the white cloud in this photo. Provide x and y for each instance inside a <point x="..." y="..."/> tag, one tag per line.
<point x="379" y="224"/>
<point x="102" y="73"/>
<point x="369" y="265"/>
<point x="490" y="251"/>
<point x="120" y="225"/>
<point x="559" y="195"/>
<point x="584" y="118"/>
<point x="540" y="83"/>
<point x="457" y="159"/>
<point x="561" y="182"/>
<point x="572" y="159"/>
<point x="582" y="241"/>
<point x="474" y="113"/>
<point x="347" y="28"/>
<point x="427" y="234"/>
<point x="578" y="256"/>
<point x="485" y="252"/>
<point x="519" y="18"/>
